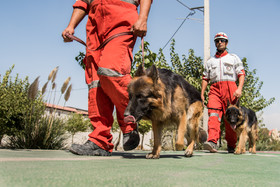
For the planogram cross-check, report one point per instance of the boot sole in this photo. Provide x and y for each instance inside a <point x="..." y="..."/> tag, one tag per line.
<point x="210" y="148"/>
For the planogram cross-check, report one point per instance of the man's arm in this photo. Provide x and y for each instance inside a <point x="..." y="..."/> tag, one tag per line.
<point x="140" y="26"/>
<point x="238" y="91"/>
<point x="203" y="88"/>
<point x="77" y="16"/>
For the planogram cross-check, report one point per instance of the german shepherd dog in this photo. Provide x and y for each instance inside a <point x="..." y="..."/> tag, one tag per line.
<point x="166" y="99"/>
<point x="244" y="122"/>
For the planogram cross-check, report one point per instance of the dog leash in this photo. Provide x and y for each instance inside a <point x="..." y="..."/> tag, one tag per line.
<point x="143" y="55"/>
<point x="105" y="42"/>
<point x="72" y="37"/>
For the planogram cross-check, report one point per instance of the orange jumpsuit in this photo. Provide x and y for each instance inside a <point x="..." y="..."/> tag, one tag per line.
<point x="223" y="71"/>
<point x="108" y="70"/>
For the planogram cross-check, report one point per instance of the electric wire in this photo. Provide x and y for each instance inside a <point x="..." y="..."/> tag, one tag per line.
<point x="190" y="14"/>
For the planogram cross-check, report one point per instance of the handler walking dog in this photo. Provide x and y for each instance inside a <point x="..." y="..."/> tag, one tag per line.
<point x="166" y="99"/>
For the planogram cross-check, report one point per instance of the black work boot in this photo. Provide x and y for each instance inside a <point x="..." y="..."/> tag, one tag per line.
<point x="231" y="149"/>
<point x="89" y="148"/>
<point x="131" y="140"/>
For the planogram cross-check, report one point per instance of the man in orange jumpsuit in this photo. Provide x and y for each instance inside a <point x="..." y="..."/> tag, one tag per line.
<point x="108" y="69"/>
<point x="222" y="71"/>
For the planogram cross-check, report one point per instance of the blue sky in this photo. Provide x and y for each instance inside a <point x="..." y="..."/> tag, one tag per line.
<point x="31" y="39"/>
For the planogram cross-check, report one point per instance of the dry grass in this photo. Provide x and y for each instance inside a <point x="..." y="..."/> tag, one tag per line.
<point x="33" y="89"/>
<point x="51" y="75"/>
<point x="65" y="84"/>
<point x="68" y="92"/>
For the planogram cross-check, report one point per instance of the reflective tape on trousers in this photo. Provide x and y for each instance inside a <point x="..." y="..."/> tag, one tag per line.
<point x="108" y="72"/>
<point x="215" y="114"/>
<point x="94" y="84"/>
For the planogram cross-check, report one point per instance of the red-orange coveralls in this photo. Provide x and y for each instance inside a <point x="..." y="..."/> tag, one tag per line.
<point x="108" y="70"/>
<point x="222" y="71"/>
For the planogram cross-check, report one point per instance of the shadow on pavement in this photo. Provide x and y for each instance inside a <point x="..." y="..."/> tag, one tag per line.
<point x="142" y="155"/>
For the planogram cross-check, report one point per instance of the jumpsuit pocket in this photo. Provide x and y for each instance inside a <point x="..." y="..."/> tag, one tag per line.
<point x="213" y="71"/>
<point x="228" y="68"/>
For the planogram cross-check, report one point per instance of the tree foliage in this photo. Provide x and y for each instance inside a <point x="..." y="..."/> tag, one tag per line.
<point x="76" y="123"/>
<point x="251" y="96"/>
<point x="20" y="105"/>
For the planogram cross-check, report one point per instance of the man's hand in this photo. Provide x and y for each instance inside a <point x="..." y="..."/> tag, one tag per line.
<point x="77" y="16"/>
<point x="139" y="28"/>
<point x="203" y="99"/>
<point x="237" y="93"/>
<point x="68" y="30"/>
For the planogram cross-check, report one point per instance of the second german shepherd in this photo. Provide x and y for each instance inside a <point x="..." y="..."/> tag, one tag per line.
<point x="166" y="99"/>
<point x="244" y="122"/>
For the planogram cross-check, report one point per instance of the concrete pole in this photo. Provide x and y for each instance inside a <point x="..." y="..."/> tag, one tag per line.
<point x="206" y="31"/>
<point x="206" y="52"/>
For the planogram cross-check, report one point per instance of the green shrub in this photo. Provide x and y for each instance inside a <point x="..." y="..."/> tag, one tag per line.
<point x="47" y="133"/>
<point x="76" y="123"/>
<point x="22" y="114"/>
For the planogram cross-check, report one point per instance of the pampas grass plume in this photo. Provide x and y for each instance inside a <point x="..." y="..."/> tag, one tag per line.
<point x="52" y="73"/>
<point x="53" y="86"/>
<point x="44" y="88"/>
<point x="67" y="94"/>
<point x="33" y="89"/>
<point x="65" y="84"/>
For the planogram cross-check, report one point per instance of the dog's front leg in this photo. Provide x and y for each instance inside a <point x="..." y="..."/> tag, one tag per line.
<point x="182" y="128"/>
<point x="242" y="141"/>
<point x="252" y="140"/>
<point x="155" y="154"/>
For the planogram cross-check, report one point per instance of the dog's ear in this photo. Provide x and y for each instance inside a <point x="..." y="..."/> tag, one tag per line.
<point x="140" y="71"/>
<point x="153" y="73"/>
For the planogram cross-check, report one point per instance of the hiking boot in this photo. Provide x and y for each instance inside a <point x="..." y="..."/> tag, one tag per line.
<point x="230" y="149"/>
<point x="131" y="140"/>
<point x="89" y="148"/>
<point x="210" y="146"/>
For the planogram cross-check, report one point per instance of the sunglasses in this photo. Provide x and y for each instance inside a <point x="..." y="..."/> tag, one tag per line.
<point x="220" y="40"/>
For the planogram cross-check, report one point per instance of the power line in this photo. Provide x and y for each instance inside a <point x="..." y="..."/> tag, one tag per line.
<point x="56" y="91"/>
<point x="190" y="14"/>
<point x="184" y="5"/>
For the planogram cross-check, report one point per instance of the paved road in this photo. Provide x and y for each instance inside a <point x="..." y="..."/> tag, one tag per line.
<point x="61" y="168"/>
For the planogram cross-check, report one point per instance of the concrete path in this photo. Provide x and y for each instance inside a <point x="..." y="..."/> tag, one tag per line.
<point x="61" y="168"/>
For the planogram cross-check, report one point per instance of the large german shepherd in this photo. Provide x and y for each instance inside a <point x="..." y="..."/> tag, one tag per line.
<point x="166" y="99"/>
<point x="244" y="122"/>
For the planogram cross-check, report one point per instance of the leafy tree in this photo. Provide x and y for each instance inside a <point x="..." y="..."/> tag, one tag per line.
<point x="251" y="96"/>
<point x="143" y="128"/>
<point x="80" y="59"/>
<point x="76" y="123"/>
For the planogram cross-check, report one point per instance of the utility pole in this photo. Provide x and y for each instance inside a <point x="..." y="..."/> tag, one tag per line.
<point x="206" y="31"/>
<point x="206" y="52"/>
